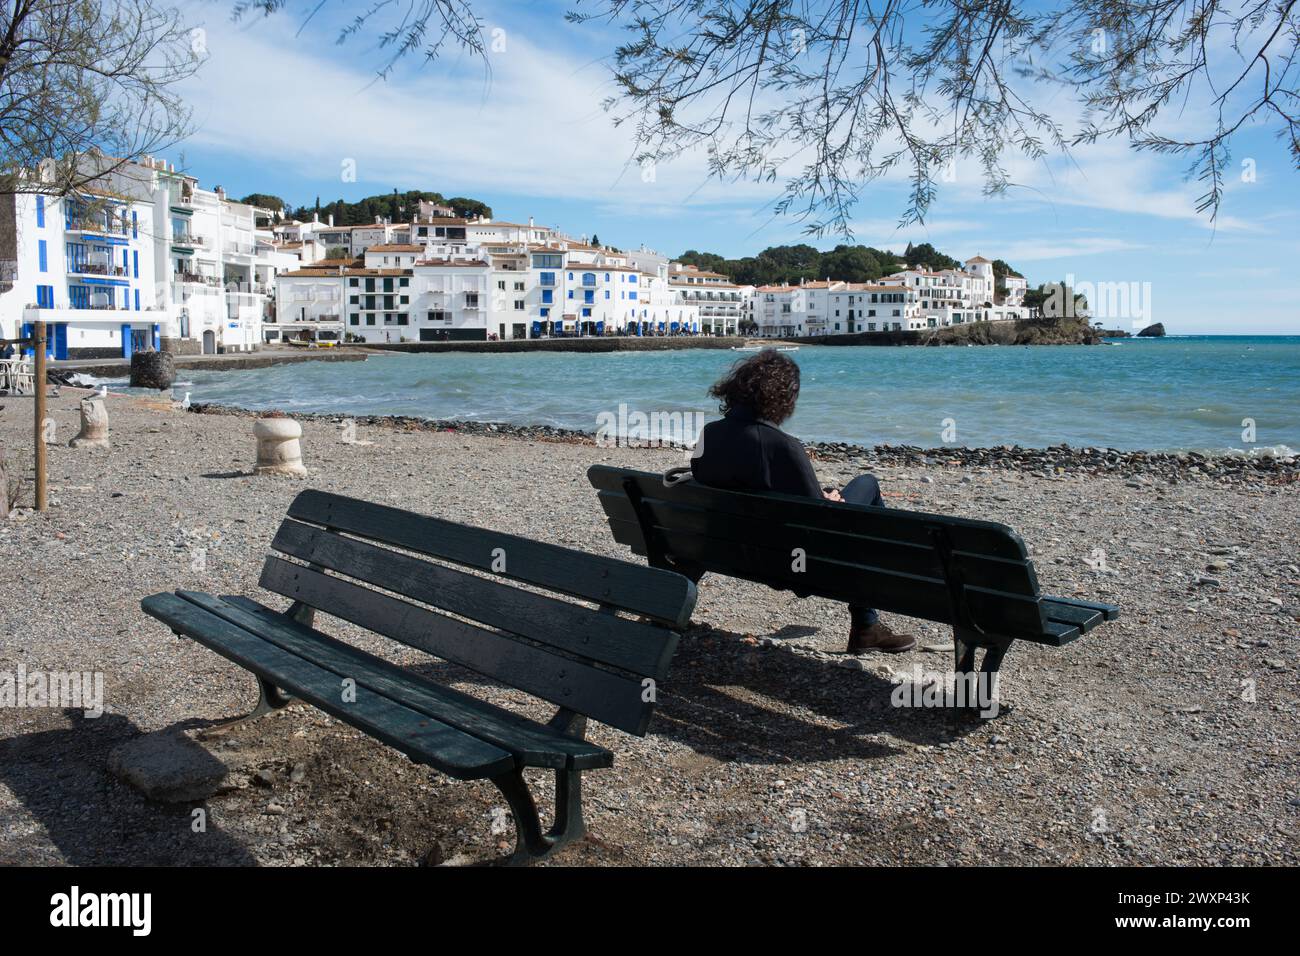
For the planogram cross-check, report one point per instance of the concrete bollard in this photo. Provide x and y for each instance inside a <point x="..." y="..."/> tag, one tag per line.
<point x="94" y="425"/>
<point x="279" y="447"/>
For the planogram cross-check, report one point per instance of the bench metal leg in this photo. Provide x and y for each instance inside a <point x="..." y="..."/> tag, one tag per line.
<point x="269" y="698"/>
<point x="964" y="649"/>
<point x="530" y="842"/>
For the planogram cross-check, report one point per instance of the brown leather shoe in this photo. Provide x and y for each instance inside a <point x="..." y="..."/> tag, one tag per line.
<point x="877" y="637"/>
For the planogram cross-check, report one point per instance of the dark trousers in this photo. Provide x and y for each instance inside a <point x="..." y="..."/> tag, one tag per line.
<point x="863" y="490"/>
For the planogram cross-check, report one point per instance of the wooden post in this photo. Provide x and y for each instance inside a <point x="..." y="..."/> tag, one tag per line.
<point x="38" y="364"/>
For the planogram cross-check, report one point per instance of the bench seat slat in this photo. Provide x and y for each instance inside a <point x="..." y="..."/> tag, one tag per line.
<point x="1057" y="634"/>
<point x="420" y="737"/>
<point x="1084" y="618"/>
<point x="662" y="595"/>
<point x="1109" y="612"/>
<point x="533" y="744"/>
<point x="603" y="695"/>
<point x="631" y="645"/>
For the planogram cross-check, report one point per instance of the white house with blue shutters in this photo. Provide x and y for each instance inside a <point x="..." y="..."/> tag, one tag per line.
<point x="144" y="259"/>
<point x="85" y="265"/>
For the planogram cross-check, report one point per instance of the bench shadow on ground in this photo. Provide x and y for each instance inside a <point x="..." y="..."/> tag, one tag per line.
<point x="729" y="698"/>
<point x="61" y="778"/>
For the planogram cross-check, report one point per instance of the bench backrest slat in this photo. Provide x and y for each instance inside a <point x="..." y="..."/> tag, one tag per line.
<point x="611" y="698"/>
<point x="667" y="597"/>
<point x="641" y="648"/>
<point x="885" y="557"/>
<point x="841" y="544"/>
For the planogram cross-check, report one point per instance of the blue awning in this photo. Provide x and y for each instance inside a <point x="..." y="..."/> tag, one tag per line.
<point x="105" y="281"/>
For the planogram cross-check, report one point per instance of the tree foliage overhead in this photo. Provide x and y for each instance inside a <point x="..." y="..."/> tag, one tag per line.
<point x="78" y="76"/>
<point x="828" y="96"/>
<point x="792" y="264"/>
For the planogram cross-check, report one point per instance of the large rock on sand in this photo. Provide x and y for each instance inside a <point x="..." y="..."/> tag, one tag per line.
<point x="168" y="766"/>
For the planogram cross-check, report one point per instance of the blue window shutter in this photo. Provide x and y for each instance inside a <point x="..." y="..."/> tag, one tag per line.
<point x="42" y="256"/>
<point x="137" y="300"/>
<point x="135" y="267"/>
<point x="135" y="226"/>
<point x="40" y="212"/>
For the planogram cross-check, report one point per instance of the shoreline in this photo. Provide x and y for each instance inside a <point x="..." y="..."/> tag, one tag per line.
<point x="1171" y="466"/>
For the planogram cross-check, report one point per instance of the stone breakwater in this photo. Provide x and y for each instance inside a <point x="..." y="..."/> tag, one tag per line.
<point x="1138" y="466"/>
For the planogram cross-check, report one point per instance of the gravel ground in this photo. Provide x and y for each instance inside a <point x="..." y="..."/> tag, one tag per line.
<point x="1170" y="736"/>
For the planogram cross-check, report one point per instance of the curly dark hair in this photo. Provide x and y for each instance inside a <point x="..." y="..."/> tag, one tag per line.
<point x="766" y="383"/>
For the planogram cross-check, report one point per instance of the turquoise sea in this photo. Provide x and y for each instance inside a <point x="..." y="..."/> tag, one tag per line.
<point x="1156" y="394"/>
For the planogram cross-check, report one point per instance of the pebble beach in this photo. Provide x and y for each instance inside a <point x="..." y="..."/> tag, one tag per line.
<point x="1170" y="736"/>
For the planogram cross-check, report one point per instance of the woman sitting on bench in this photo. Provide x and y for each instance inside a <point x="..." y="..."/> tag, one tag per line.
<point x="747" y="451"/>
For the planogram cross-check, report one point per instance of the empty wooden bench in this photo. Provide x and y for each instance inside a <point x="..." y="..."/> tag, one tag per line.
<point x="973" y="575"/>
<point x="592" y="661"/>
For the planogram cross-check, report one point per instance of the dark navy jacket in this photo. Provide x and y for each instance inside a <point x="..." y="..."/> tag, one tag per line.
<point x="741" y="452"/>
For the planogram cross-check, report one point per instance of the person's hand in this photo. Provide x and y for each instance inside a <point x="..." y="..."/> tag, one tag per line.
<point x="832" y="495"/>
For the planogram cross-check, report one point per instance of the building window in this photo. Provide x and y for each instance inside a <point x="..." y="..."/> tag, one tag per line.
<point x="547" y="296"/>
<point x="548" y="278"/>
<point x="545" y="312"/>
<point x="586" y="313"/>
<point x="519" y="305"/>
<point x="137" y="300"/>
<point x="135" y="264"/>
<point x="354" y="319"/>
<point x="45" y="296"/>
<point x="40" y="212"/>
<point x="135" y="226"/>
<point x="42" y="256"/>
<point x="404" y="281"/>
<point x="354" y="282"/>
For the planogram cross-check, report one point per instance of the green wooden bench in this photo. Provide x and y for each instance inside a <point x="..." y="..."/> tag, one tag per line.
<point x="975" y="576"/>
<point x="600" y="662"/>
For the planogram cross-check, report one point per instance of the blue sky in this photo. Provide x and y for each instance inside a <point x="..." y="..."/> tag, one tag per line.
<point x="279" y="108"/>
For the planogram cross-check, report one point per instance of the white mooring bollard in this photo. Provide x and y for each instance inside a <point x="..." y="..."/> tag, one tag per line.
<point x="279" y="447"/>
<point x="94" y="425"/>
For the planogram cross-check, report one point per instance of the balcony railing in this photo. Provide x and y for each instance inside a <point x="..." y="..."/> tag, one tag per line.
<point x="195" y="278"/>
<point x="95" y="269"/>
<point x="188" y="239"/>
<point x="88" y="225"/>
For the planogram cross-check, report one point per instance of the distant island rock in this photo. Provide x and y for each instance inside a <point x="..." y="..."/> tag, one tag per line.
<point x="1042" y="331"/>
<point x="1153" y="331"/>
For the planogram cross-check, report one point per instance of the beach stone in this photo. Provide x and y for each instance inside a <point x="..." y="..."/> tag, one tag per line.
<point x="94" y="425"/>
<point x="168" y="766"/>
<point x="279" y="447"/>
<point x="153" y="370"/>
